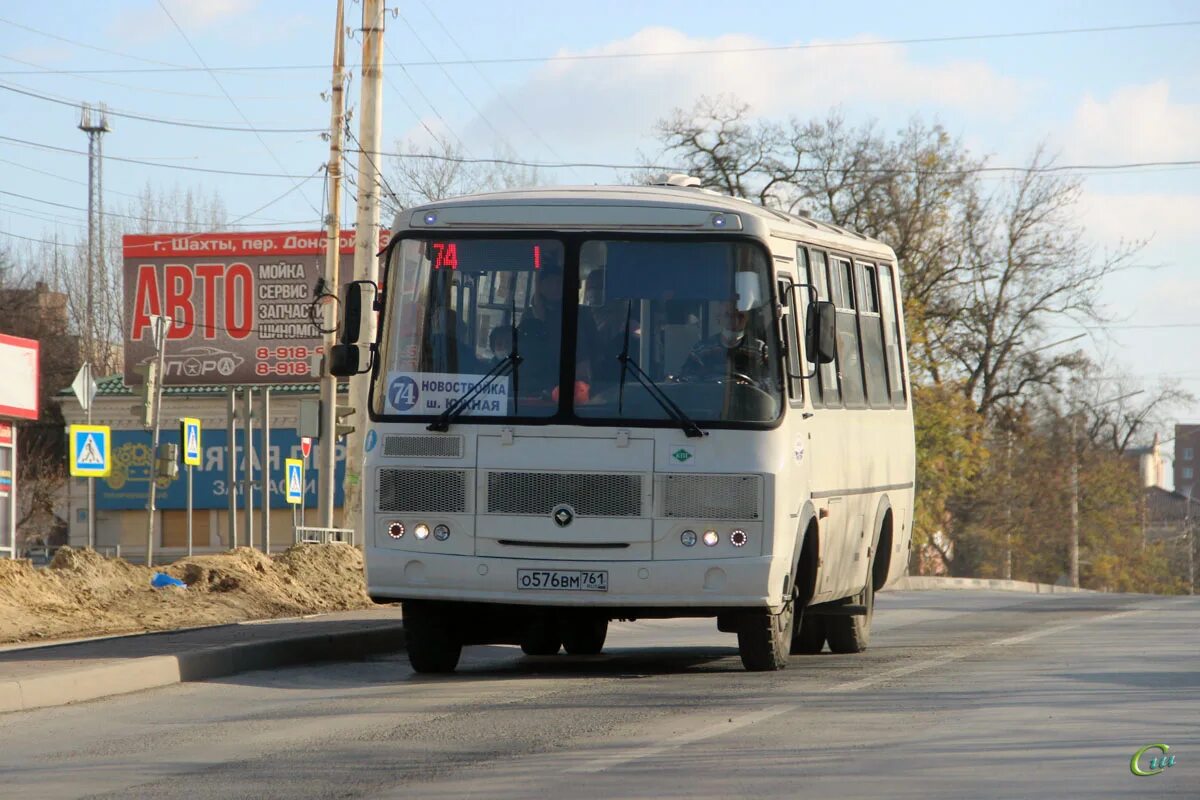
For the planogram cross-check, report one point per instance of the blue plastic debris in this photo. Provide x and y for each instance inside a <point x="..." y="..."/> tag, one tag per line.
<point x="162" y="579"/>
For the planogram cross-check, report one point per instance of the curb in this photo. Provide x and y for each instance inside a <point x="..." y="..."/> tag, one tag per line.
<point x="151" y="672"/>
<point x="926" y="583"/>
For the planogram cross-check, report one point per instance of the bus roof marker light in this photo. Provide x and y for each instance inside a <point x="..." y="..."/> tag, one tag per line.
<point x="688" y="538"/>
<point x="711" y="538"/>
<point x="738" y="538"/>
<point x="430" y="218"/>
<point x="718" y="220"/>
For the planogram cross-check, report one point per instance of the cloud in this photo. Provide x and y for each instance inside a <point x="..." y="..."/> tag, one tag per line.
<point x="1135" y="123"/>
<point x="592" y="106"/>
<point x="1168" y="220"/>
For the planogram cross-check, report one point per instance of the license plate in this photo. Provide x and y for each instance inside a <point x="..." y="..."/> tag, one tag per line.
<point x="579" y="580"/>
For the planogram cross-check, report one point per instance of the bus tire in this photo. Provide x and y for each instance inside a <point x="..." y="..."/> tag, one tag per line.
<point x="851" y="634"/>
<point x="765" y="639"/>
<point x="541" y="639"/>
<point x="432" y="645"/>
<point x="809" y="638"/>
<point x="584" y="637"/>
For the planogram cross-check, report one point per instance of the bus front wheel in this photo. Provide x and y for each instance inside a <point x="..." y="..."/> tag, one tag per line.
<point x="430" y="636"/>
<point x="765" y="639"/>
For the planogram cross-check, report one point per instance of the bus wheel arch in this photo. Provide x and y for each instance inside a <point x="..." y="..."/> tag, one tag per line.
<point x="881" y="545"/>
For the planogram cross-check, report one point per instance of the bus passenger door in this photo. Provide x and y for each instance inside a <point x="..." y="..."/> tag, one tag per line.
<point x="795" y="478"/>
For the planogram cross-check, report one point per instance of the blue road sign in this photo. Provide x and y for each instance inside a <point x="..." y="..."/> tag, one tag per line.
<point x="191" y="441"/>
<point x="295" y="480"/>
<point x="90" y="451"/>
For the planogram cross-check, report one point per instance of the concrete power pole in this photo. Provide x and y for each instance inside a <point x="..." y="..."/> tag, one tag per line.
<point x="328" y="462"/>
<point x="95" y="126"/>
<point x="366" y="241"/>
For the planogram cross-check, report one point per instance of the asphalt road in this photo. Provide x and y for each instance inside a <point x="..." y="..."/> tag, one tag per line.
<point x="962" y="695"/>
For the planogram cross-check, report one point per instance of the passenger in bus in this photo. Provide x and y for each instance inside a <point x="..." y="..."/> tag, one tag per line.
<point x="540" y="332"/>
<point x="734" y="352"/>
<point x="500" y="342"/>
<point x="602" y="332"/>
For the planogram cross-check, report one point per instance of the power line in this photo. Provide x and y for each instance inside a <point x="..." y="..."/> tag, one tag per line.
<point x="863" y="171"/>
<point x="157" y="120"/>
<point x="382" y="179"/>
<point x="232" y="102"/>
<point x="42" y="241"/>
<point x="211" y="170"/>
<point x="428" y="102"/>
<point x="56" y="37"/>
<point x="516" y="114"/>
<point x="666" y="53"/>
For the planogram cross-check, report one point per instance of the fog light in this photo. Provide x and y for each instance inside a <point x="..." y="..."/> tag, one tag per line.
<point x="421" y="531"/>
<point x="738" y="538"/>
<point x="396" y="530"/>
<point x="688" y="538"/>
<point x="441" y="533"/>
<point x="711" y="538"/>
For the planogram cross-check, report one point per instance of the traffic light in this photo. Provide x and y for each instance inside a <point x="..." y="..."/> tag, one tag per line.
<point x="166" y="465"/>
<point x="146" y="392"/>
<point x="341" y="413"/>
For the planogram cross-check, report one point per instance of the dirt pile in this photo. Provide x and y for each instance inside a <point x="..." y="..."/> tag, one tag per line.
<point x="82" y="593"/>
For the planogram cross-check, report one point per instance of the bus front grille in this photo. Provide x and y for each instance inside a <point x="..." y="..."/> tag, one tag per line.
<point x="425" y="490"/>
<point x="589" y="494"/>
<point x="709" y="496"/>
<point x="422" y="446"/>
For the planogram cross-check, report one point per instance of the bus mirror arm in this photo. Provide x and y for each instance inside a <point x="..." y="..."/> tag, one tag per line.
<point x="809" y="345"/>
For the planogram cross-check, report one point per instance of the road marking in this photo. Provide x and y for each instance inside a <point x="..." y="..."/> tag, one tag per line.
<point x="744" y="720"/>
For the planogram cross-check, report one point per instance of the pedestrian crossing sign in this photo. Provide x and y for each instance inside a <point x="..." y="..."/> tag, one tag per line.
<point x="90" y="451"/>
<point x="189" y="434"/>
<point x="294" y="469"/>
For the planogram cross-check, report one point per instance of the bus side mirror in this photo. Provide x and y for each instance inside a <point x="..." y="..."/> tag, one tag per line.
<point x="352" y="355"/>
<point x="356" y="311"/>
<point x="820" y="332"/>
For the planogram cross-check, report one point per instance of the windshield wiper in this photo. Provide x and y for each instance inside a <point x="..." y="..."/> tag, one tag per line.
<point x="506" y="365"/>
<point x="690" y="428"/>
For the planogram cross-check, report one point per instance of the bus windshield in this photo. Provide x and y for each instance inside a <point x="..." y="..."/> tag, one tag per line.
<point x="692" y="318"/>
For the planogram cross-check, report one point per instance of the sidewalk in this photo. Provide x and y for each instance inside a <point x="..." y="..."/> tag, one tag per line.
<point x="74" y="671"/>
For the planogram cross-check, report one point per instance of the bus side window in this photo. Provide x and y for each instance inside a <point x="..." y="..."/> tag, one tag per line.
<point x="871" y="326"/>
<point x="849" y="356"/>
<point x="824" y="385"/>
<point x="891" y="335"/>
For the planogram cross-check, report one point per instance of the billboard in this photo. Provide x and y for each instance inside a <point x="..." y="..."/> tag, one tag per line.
<point x="239" y="304"/>
<point x="19" y="366"/>
<point x="128" y="486"/>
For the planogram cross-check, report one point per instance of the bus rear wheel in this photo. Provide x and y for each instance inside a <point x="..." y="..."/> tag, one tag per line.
<point x="809" y="638"/>
<point x="584" y="637"/>
<point x="429" y="632"/>
<point x="541" y="639"/>
<point x="765" y="639"/>
<point x="851" y="634"/>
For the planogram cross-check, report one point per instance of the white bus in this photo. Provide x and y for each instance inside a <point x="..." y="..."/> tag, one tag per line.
<point x="593" y="404"/>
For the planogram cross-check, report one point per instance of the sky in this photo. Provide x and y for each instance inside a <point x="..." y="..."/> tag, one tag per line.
<point x="1126" y="95"/>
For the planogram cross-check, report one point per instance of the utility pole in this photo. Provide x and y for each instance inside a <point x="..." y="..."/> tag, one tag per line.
<point x="366" y="240"/>
<point x="328" y="465"/>
<point x="160" y="343"/>
<point x="95" y="127"/>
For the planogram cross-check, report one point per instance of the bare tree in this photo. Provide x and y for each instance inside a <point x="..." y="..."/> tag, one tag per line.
<point x="441" y="170"/>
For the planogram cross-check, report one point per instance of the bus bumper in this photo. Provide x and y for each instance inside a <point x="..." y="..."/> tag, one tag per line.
<point x="698" y="583"/>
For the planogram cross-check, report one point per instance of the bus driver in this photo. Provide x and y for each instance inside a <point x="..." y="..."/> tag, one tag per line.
<point x="734" y="351"/>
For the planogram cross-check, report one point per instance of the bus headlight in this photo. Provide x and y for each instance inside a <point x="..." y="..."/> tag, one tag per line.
<point x="688" y="538"/>
<point x="738" y="538"/>
<point x="396" y="530"/>
<point x="711" y="538"/>
<point x="441" y="532"/>
<point x="421" y="531"/>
